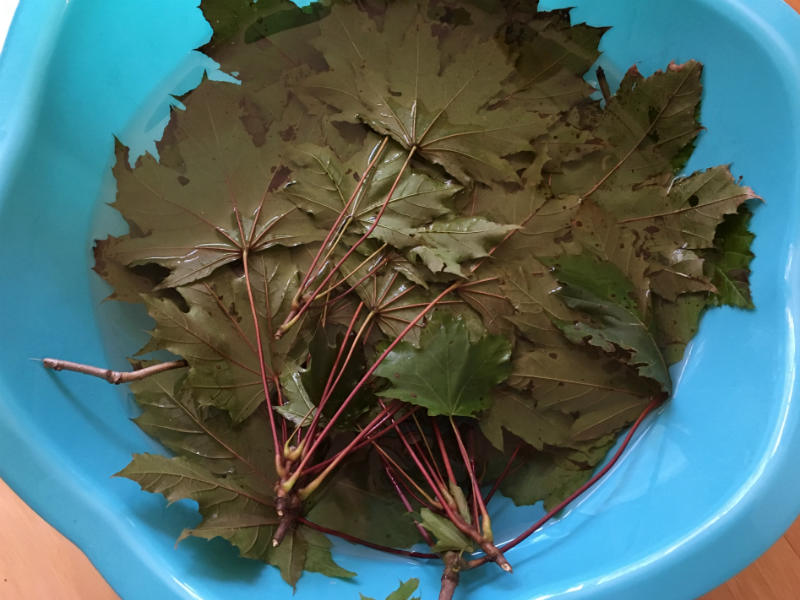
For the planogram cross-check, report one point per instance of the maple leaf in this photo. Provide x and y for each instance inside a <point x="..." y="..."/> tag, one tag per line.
<point x="210" y="198"/>
<point x="303" y="387"/>
<point x="239" y="25"/>
<point x="416" y="220"/>
<point x="687" y="217"/>
<point x="325" y="182"/>
<point x="676" y="323"/>
<point x="173" y="415"/>
<point x="403" y="592"/>
<point x="563" y="394"/>
<point x="541" y="476"/>
<point x="531" y="292"/>
<point x="448" y="536"/>
<point x="232" y="510"/>
<point x="602" y="292"/>
<point x="396" y="81"/>
<point x="647" y="127"/>
<point x="512" y="411"/>
<point x="217" y="334"/>
<point x="359" y="500"/>
<point x="729" y="261"/>
<point x="448" y="374"/>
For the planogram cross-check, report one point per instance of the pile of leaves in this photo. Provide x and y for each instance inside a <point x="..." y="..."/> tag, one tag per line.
<point x="411" y="259"/>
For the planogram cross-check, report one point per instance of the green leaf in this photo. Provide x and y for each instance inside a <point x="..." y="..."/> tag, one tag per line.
<point x="575" y="381"/>
<point x="602" y="292"/>
<point x="325" y="182"/>
<point x="232" y="510"/>
<point x="448" y="374"/>
<point x="440" y="105"/>
<point x="243" y="20"/>
<point x="518" y="414"/>
<point x="729" y="261"/>
<point x="217" y="334"/>
<point x="446" y="243"/>
<point x="448" y="536"/>
<point x="645" y="127"/>
<point x="687" y="217"/>
<point x="359" y="500"/>
<point x="676" y="323"/>
<point x="540" y="477"/>
<point x="531" y="290"/>
<point x="214" y="197"/>
<point x="303" y="386"/>
<point x="403" y="592"/>
<point x="172" y="415"/>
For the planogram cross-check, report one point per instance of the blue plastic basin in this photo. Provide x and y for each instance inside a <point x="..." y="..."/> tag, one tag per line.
<point x="710" y="484"/>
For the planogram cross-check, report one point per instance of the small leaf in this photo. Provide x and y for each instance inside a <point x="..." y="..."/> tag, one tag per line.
<point x="403" y="592"/>
<point x="448" y="536"/>
<point x="729" y="261"/>
<point x="447" y="374"/>
<point x="446" y="243"/>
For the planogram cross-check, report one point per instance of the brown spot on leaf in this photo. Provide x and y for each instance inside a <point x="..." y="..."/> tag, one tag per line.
<point x="288" y="134"/>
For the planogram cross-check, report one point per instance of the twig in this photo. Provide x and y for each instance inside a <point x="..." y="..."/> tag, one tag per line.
<point x="603" y="83"/>
<point x="503" y="475"/>
<point x="115" y="377"/>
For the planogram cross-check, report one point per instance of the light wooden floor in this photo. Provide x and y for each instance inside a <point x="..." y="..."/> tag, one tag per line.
<point x="37" y="563"/>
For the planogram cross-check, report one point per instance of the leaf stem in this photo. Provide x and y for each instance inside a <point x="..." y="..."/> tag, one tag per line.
<point x="368" y="439"/>
<point x="341" y="455"/>
<point x="426" y="500"/>
<point x="485" y="520"/>
<point x="443" y="451"/>
<point x="261" y="364"/>
<point x="359" y="185"/>
<point x="115" y="377"/>
<point x="283" y="328"/>
<point x="503" y="474"/>
<point x="330" y="383"/>
<point x="406" y="504"/>
<point x="354" y="540"/>
<point x="366" y="377"/>
<point x="353" y="272"/>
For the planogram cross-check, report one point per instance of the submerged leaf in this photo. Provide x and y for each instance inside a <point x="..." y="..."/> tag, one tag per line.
<point x="602" y="292"/>
<point x="234" y="511"/>
<point x="216" y="198"/>
<point x="303" y="387"/>
<point x="395" y="80"/>
<point x="217" y="334"/>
